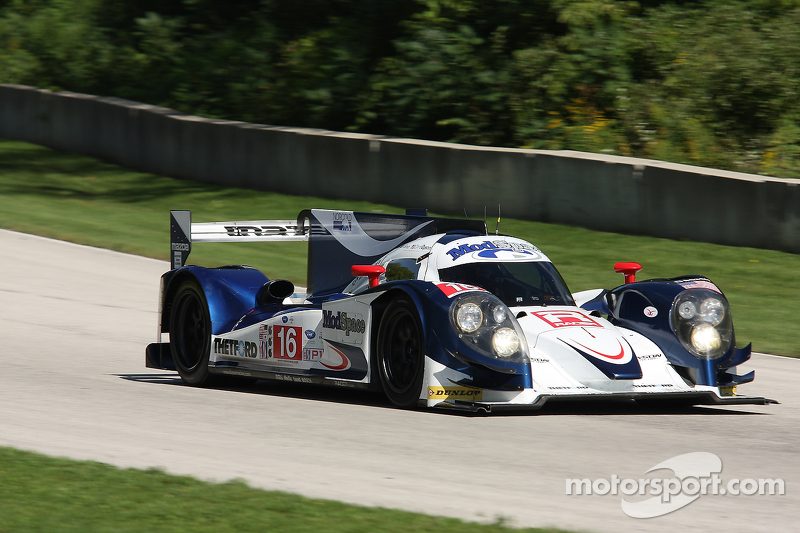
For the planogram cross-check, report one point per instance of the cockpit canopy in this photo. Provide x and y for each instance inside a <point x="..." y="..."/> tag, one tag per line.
<point x="517" y="283"/>
<point x="512" y="269"/>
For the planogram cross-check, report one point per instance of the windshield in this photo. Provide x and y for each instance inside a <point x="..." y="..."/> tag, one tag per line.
<point x="515" y="283"/>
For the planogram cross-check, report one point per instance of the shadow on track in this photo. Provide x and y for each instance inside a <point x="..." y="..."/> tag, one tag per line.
<point x="372" y="399"/>
<point x="274" y="388"/>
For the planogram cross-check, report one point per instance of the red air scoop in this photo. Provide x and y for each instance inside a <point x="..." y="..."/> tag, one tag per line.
<point x="628" y="269"/>
<point x="373" y="272"/>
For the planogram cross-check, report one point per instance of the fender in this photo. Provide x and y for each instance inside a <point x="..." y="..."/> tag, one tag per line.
<point x="230" y="292"/>
<point x="627" y="310"/>
<point x="443" y="345"/>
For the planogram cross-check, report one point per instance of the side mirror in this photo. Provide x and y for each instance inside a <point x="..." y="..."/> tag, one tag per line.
<point x="373" y="272"/>
<point x="629" y="270"/>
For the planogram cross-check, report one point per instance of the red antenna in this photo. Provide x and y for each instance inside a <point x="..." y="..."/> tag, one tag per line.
<point x="628" y="269"/>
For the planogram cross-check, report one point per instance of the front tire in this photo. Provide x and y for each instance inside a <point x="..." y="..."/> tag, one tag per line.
<point x="400" y="354"/>
<point x="190" y="333"/>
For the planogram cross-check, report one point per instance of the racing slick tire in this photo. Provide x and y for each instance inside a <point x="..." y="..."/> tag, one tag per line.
<point x="400" y="356"/>
<point x="190" y="333"/>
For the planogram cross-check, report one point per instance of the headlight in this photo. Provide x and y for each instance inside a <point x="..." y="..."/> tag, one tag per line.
<point x="705" y="338"/>
<point x="702" y="322"/>
<point x="687" y="310"/>
<point x="505" y="342"/>
<point x="485" y="324"/>
<point x="469" y="317"/>
<point x="499" y="314"/>
<point x="712" y="310"/>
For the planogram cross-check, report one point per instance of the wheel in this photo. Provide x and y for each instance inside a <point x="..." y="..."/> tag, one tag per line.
<point x="190" y="333"/>
<point x="400" y="357"/>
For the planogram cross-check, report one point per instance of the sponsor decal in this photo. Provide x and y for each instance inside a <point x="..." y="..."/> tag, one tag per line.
<point x="180" y="247"/>
<point x="284" y="319"/>
<point x="699" y="283"/>
<point x="539" y="360"/>
<point x="343" y="384"/>
<point x="342" y="221"/>
<point x="650" y="311"/>
<point x="265" y="341"/>
<point x="566" y="319"/>
<point x="259" y="231"/>
<point x="235" y="348"/>
<point x="452" y="289"/>
<point x="499" y="249"/>
<point x="347" y="362"/>
<point x="415" y="246"/>
<point x="287" y="343"/>
<point x="312" y="354"/>
<point x="454" y="393"/>
<point x="310" y="334"/>
<point x="294" y="379"/>
<point x="341" y="321"/>
<point x="335" y="359"/>
<point x="648" y="356"/>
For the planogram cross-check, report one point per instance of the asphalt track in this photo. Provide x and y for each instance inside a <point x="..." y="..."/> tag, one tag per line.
<point x="75" y="320"/>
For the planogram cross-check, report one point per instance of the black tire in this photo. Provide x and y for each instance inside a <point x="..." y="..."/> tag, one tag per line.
<point x="190" y="333"/>
<point x="400" y="354"/>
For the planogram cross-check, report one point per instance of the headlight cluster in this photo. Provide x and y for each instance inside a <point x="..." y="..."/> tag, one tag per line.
<point x="702" y="321"/>
<point x="487" y="324"/>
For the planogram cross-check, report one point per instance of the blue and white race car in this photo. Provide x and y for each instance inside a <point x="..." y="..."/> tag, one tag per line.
<point x="436" y="312"/>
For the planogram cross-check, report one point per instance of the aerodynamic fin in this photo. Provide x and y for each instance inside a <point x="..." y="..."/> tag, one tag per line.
<point x="337" y="239"/>
<point x="183" y="232"/>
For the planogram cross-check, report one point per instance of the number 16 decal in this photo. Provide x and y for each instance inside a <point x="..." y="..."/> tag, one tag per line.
<point x="287" y="342"/>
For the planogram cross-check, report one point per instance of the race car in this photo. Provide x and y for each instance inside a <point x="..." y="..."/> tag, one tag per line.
<point x="437" y="312"/>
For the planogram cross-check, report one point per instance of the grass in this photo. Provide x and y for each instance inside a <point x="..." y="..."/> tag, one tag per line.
<point x="84" y="200"/>
<point x="41" y="493"/>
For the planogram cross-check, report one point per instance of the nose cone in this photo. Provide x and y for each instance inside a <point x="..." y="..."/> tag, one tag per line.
<point x="588" y="348"/>
<point x="607" y="350"/>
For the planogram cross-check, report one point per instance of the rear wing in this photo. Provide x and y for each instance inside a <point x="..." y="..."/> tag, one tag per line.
<point x="337" y="239"/>
<point x="183" y="232"/>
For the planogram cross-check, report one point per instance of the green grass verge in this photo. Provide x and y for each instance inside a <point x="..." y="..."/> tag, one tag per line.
<point x="40" y="493"/>
<point x="80" y="199"/>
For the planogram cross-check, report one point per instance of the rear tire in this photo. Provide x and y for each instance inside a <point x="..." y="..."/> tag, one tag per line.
<point x="400" y="354"/>
<point x="190" y="333"/>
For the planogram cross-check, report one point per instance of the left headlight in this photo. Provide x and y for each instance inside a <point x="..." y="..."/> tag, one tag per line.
<point x="701" y="320"/>
<point x="485" y="322"/>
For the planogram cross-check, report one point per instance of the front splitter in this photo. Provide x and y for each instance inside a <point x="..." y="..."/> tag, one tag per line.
<point x="684" y="398"/>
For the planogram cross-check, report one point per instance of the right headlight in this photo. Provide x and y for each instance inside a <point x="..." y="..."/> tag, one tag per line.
<point x="702" y="322"/>
<point x="485" y="322"/>
<point x="469" y="317"/>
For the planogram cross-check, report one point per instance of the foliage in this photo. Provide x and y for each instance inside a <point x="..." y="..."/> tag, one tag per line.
<point x="711" y="82"/>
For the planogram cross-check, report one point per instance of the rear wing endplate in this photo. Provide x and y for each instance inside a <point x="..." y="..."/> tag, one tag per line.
<point x="183" y="232"/>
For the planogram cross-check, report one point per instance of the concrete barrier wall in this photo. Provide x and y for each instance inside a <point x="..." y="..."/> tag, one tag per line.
<point x="595" y="191"/>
